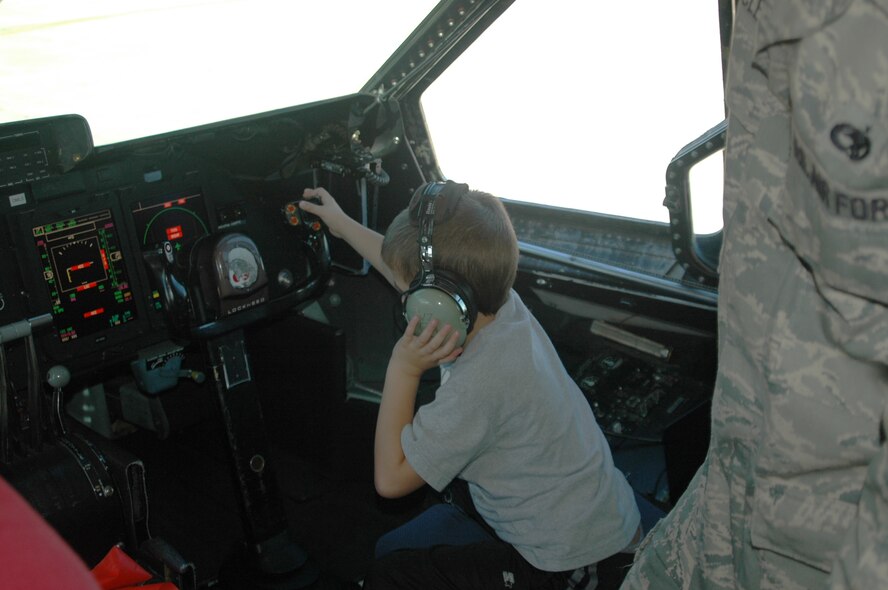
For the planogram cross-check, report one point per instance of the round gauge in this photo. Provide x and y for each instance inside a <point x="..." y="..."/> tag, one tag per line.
<point x="243" y="269"/>
<point x="239" y="270"/>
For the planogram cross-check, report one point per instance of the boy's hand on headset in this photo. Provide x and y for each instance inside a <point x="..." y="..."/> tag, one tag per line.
<point x="415" y="354"/>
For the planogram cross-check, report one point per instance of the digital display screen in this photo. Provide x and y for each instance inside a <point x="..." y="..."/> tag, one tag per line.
<point x="178" y="220"/>
<point x="84" y="270"/>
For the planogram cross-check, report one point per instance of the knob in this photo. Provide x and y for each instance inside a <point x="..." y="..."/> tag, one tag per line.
<point x="58" y="376"/>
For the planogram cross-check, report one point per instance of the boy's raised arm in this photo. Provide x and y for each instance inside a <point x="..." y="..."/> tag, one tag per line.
<point x="364" y="240"/>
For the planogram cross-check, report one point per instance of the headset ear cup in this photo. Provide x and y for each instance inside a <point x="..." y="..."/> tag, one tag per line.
<point x="461" y="292"/>
<point x="431" y="303"/>
<point x="445" y="299"/>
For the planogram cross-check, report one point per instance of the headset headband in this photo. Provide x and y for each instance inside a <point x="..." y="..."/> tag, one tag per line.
<point x="429" y="290"/>
<point x="426" y="212"/>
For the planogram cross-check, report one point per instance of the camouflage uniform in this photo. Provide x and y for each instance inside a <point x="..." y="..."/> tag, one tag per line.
<point x="794" y="490"/>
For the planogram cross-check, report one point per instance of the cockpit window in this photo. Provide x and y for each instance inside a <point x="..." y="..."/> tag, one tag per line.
<point x="583" y="106"/>
<point x="135" y="68"/>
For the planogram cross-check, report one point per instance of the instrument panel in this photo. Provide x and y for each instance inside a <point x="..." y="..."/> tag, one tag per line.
<point x="85" y="275"/>
<point x="161" y="239"/>
<point x="175" y="219"/>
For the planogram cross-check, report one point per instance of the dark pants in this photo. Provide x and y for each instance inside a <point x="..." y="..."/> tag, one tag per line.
<point x="450" y="547"/>
<point x="487" y="565"/>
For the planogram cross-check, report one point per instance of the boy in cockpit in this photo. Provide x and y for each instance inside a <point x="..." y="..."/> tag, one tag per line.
<point x="535" y="500"/>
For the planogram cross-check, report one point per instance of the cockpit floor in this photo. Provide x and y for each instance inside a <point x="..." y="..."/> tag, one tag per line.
<point x="327" y="488"/>
<point x="333" y="510"/>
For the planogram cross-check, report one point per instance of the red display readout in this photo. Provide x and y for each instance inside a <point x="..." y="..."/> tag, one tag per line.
<point x="174" y="233"/>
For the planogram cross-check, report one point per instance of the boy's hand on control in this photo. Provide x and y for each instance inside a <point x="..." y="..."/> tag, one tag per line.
<point x="414" y="354"/>
<point x="324" y="206"/>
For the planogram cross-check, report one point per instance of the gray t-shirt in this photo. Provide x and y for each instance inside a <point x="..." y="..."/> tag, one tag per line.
<point x="510" y="421"/>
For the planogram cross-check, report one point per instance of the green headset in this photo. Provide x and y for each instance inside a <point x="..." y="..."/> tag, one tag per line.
<point x="435" y="293"/>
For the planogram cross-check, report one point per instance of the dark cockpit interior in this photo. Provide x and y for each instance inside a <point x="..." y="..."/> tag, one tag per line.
<point x="192" y="364"/>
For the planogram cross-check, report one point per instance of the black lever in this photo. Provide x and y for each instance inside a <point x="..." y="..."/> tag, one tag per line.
<point x="8" y="333"/>
<point x="173" y="295"/>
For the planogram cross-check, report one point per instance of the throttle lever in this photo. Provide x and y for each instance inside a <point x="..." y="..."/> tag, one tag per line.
<point x="58" y="376"/>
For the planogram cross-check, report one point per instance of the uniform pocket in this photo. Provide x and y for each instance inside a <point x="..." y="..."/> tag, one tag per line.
<point x="793" y="522"/>
<point x="834" y="210"/>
